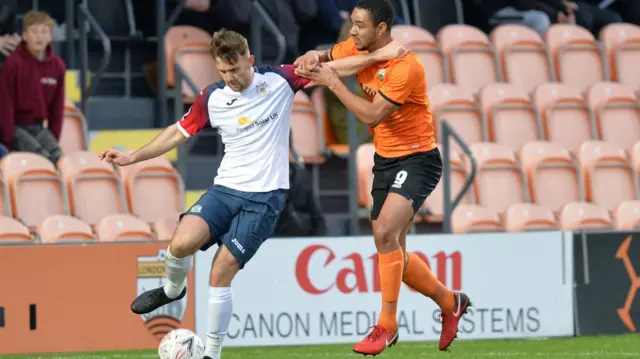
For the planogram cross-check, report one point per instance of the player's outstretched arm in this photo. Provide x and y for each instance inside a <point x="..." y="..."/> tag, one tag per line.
<point x="351" y="65"/>
<point x="169" y="139"/>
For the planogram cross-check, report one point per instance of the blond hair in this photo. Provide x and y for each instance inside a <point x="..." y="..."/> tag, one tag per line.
<point x="36" y="17"/>
<point x="228" y="45"/>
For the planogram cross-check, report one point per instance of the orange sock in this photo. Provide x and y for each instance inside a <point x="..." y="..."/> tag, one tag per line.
<point x="418" y="276"/>
<point x="391" y="266"/>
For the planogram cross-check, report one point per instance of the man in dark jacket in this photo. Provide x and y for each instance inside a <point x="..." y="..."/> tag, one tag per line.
<point x="32" y="91"/>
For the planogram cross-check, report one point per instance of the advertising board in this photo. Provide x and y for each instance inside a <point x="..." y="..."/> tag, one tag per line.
<point x="326" y="290"/>
<point x="71" y="298"/>
<point x="607" y="282"/>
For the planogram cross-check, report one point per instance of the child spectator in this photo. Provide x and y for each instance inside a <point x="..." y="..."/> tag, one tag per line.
<point x="32" y="91"/>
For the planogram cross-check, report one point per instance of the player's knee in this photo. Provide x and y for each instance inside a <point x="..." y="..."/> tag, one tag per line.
<point x="386" y="236"/>
<point x="181" y="246"/>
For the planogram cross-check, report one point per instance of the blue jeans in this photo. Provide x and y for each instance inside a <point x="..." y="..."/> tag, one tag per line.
<point x="3" y="150"/>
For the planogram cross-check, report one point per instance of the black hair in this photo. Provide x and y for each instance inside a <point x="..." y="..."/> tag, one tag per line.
<point x="379" y="10"/>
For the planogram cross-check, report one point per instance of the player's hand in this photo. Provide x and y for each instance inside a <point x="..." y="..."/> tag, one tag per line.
<point x="392" y="50"/>
<point x="320" y="76"/>
<point x="308" y="61"/>
<point x="116" y="157"/>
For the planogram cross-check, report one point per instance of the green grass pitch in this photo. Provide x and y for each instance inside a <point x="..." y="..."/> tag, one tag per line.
<point x="618" y="347"/>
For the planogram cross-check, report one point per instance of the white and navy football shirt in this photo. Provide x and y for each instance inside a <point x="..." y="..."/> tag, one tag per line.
<point x="254" y="125"/>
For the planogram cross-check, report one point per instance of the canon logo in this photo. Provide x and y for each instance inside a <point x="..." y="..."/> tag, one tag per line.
<point x="352" y="273"/>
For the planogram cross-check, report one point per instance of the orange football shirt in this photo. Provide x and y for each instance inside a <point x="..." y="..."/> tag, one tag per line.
<point x="403" y="82"/>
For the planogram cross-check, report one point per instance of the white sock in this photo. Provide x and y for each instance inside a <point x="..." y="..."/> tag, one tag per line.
<point x="220" y="312"/>
<point x="176" y="270"/>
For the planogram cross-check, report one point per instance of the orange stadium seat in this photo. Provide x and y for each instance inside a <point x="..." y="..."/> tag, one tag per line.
<point x="627" y="216"/>
<point x="584" y="216"/>
<point x="457" y="106"/>
<point x="566" y="119"/>
<point x="75" y="133"/>
<point x="189" y="47"/>
<point x="523" y="56"/>
<point x="621" y="43"/>
<point x="617" y="113"/>
<point x="118" y="227"/>
<point x="364" y="165"/>
<point x="305" y="125"/>
<point x="552" y="173"/>
<point x="69" y="106"/>
<point x="154" y="189"/>
<point x="426" y="48"/>
<point x="500" y="181"/>
<point x="578" y="59"/>
<point x="471" y="218"/>
<point x="56" y="229"/>
<point x="607" y="174"/>
<point x="511" y="118"/>
<point x="634" y="154"/>
<point x="94" y="188"/>
<point x="434" y="204"/>
<point x="529" y="217"/>
<point x="165" y="227"/>
<point x="471" y="59"/>
<point x="12" y="230"/>
<point x="35" y="189"/>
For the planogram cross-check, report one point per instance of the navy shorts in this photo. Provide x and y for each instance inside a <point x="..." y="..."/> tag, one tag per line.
<point x="241" y="221"/>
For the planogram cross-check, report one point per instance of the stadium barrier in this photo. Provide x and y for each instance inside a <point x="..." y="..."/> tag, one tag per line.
<point x="326" y="290"/>
<point x="76" y="298"/>
<point x="607" y="282"/>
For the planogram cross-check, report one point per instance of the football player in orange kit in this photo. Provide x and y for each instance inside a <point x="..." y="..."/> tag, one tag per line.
<point x="407" y="164"/>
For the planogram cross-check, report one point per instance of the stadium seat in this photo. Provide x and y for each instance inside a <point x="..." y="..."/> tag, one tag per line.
<point x="471" y="59"/>
<point x="154" y="189"/>
<point x="434" y="204"/>
<point x="364" y="165"/>
<point x="470" y="218"/>
<point x="621" y="42"/>
<point x="75" y="133"/>
<point x="577" y="216"/>
<point x="94" y="188"/>
<point x="523" y="56"/>
<point x="56" y="229"/>
<point x="12" y="230"/>
<point x="188" y="46"/>
<point x="165" y="227"/>
<point x="118" y="227"/>
<point x="553" y="176"/>
<point x="499" y="182"/>
<point x="607" y="174"/>
<point x="578" y="59"/>
<point x="617" y="113"/>
<point x="511" y="118"/>
<point x="458" y="107"/>
<point x="634" y="155"/>
<point x="328" y="139"/>
<point x="424" y="45"/>
<point x="35" y="189"/>
<point x="5" y="201"/>
<point x="522" y="217"/>
<point x="566" y="119"/>
<point x="305" y="125"/>
<point x="627" y="216"/>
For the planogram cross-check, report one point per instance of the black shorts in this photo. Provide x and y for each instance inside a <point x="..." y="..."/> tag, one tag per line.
<point x="413" y="176"/>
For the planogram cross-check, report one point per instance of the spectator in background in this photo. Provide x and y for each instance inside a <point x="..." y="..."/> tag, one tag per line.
<point x="591" y="17"/>
<point x="9" y="38"/>
<point x="336" y="111"/>
<point x="32" y="91"/>
<point x="536" y="14"/>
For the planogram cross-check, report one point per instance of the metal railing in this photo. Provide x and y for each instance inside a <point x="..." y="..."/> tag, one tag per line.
<point x="449" y="206"/>
<point x="259" y="19"/>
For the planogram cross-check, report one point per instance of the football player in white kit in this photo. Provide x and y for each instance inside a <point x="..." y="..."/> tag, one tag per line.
<point x="251" y="108"/>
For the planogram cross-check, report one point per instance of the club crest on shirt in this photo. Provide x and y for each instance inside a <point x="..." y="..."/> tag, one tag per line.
<point x="262" y="89"/>
<point x="381" y="73"/>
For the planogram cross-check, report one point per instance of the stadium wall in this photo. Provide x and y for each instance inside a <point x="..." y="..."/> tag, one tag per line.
<point x="76" y="297"/>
